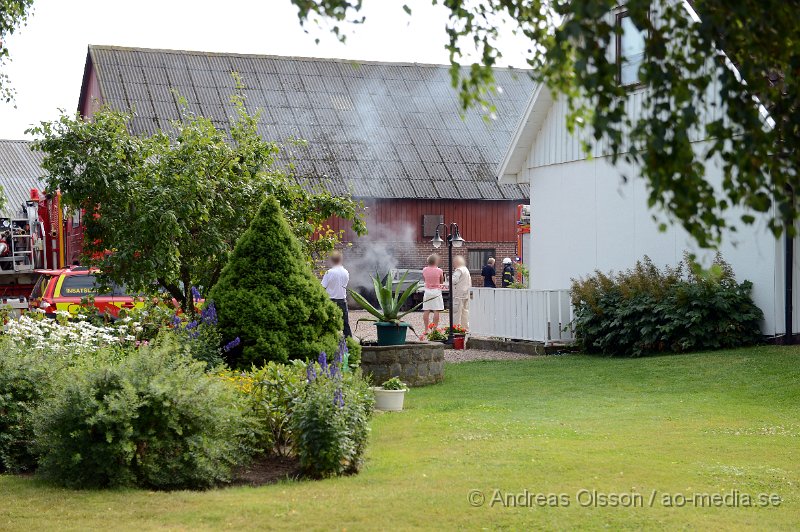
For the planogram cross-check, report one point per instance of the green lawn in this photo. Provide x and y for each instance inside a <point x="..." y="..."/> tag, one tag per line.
<point x="702" y="423"/>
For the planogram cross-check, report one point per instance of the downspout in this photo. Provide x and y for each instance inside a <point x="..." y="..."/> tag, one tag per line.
<point x="788" y="275"/>
<point x="788" y="281"/>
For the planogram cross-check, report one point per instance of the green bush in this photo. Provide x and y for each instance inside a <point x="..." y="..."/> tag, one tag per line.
<point x="25" y="379"/>
<point x="354" y="352"/>
<point x="330" y="420"/>
<point x="270" y="392"/>
<point x="269" y="298"/>
<point x="153" y="420"/>
<point x="649" y="310"/>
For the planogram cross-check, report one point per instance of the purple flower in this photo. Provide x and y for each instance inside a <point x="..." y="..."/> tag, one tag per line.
<point x="209" y="314"/>
<point x="176" y="320"/>
<point x="341" y="351"/>
<point x="311" y="373"/>
<point x="323" y="362"/>
<point x="335" y="373"/>
<point x="191" y="325"/>
<point x="233" y="343"/>
<point x="338" y="398"/>
<point x="196" y="293"/>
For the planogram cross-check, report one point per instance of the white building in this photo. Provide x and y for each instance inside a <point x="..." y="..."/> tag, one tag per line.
<point x="585" y="218"/>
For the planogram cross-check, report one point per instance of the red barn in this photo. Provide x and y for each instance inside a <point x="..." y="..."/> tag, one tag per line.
<point x="391" y="134"/>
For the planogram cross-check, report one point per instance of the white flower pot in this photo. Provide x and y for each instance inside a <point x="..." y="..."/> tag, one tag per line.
<point x="388" y="400"/>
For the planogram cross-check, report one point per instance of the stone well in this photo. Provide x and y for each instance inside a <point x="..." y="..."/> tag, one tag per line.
<point x="416" y="363"/>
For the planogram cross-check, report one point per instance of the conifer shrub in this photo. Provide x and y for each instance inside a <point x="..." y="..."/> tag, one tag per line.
<point x="269" y="298"/>
<point x="649" y="310"/>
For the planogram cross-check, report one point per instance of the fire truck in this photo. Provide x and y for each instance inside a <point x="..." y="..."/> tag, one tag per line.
<point x="35" y="241"/>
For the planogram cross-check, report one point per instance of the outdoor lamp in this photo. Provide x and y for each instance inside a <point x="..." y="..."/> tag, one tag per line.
<point x="457" y="240"/>
<point x="454" y="240"/>
<point x="437" y="240"/>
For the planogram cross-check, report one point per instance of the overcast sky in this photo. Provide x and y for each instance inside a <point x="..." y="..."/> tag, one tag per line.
<point x="48" y="55"/>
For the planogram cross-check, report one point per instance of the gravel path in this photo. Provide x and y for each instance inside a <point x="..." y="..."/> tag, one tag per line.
<point x="366" y="332"/>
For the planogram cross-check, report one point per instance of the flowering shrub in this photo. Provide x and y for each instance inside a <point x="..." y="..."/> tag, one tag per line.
<point x="153" y="420"/>
<point x="200" y="335"/>
<point x="434" y="334"/>
<point x="64" y="338"/>
<point x="457" y="329"/>
<point x="330" y="419"/>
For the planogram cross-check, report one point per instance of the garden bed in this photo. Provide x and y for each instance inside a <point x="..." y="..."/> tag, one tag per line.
<point x="268" y="470"/>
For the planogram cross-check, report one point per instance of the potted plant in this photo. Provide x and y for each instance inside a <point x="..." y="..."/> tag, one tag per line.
<point x="434" y="335"/>
<point x="391" y="330"/>
<point x="459" y="336"/>
<point x="389" y="396"/>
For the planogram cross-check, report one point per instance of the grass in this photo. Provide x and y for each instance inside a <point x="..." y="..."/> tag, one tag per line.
<point x="720" y="422"/>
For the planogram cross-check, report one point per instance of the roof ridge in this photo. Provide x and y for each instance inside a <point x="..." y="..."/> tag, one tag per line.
<point x="16" y="141"/>
<point x="112" y="47"/>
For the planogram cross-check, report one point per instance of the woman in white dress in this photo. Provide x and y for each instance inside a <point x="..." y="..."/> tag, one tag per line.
<point x="433" y="276"/>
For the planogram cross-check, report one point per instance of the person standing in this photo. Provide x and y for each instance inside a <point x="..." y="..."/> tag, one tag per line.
<point x="433" y="276"/>
<point x="335" y="283"/>
<point x="488" y="272"/>
<point x="508" y="272"/>
<point x="459" y="291"/>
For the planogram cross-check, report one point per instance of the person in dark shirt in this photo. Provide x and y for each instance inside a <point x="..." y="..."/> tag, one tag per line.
<point x="508" y="272"/>
<point x="488" y="272"/>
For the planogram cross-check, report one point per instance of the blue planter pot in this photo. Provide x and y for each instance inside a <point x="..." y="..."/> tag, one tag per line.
<point x="391" y="333"/>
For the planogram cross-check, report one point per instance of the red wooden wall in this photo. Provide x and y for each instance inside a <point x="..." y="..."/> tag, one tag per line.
<point x="478" y="220"/>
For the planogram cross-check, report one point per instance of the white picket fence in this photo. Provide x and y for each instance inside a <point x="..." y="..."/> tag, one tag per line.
<point x="538" y="315"/>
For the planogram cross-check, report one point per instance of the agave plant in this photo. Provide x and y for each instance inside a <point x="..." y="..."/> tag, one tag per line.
<point x="390" y="300"/>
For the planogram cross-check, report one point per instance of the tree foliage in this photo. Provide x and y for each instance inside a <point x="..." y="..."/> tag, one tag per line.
<point x="752" y="45"/>
<point x="166" y="209"/>
<point x="269" y="298"/>
<point x="13" y="14"/>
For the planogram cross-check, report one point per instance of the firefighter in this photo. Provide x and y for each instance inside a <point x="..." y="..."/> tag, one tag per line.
<point x="508" y="272"/>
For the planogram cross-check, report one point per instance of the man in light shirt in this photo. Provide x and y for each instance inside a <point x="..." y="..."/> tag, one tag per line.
<point x="462" y="283"/>
<point x="335" y="283"/>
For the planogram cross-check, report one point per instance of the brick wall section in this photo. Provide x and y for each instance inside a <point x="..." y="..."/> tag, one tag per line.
<point x="413" y="255"/>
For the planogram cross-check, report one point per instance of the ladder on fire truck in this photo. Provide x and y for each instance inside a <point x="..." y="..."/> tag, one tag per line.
<point x="16" y="246"/>
<point x="21" y="243"/>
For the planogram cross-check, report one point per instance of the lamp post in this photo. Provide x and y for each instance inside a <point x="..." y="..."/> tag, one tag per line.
<point x="453" y="238"/>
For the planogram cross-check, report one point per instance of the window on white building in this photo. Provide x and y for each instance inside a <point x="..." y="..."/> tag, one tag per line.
<point x="630" y="51"/>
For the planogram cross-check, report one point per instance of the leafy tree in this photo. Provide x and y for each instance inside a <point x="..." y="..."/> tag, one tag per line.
<point x="569" y="48"/>
<point x="167" y="209"/>
<point x="13" y="13"/>
<point x="269" y="298"/>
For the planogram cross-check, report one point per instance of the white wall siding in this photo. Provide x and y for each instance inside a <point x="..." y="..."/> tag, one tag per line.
<point x="583" y="218"/>
<point x="556" y="145"/>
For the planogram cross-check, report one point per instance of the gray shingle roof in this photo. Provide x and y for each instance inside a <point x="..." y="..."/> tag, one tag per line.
<point x="384" y="130"/>
<point x="19" y="173"/>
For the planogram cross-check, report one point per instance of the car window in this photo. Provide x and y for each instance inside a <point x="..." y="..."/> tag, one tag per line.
<point x="39" y="287"/>
<point x="80" y="286"/>
<point x="120" y="290"/>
